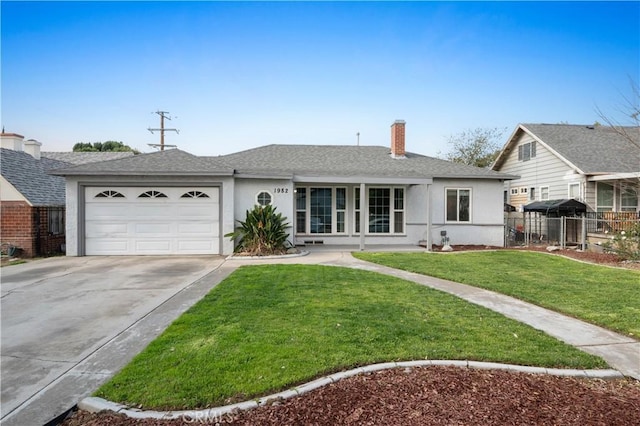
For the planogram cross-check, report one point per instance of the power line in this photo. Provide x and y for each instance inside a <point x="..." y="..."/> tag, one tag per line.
<point x="163" y="115"/>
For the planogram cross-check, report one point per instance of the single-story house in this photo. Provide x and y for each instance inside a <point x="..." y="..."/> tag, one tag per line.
<point x="32" y="201"/>
<point x="173" y="202"/>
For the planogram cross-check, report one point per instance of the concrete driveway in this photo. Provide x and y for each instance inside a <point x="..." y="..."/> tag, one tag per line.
<point x="58" y="312"/>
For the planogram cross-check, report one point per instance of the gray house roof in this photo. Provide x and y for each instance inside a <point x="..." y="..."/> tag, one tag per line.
<point x="31" y="178"/>
<point x="349" y="161"/>
<point x="85" y="157"/>
<point x="290" y="161"/>
<point x="163" y="163"/>
<point x="592" y="149"/>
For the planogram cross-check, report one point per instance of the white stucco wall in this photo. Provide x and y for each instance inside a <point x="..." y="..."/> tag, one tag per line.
<point x="9" y="192"/>
<point x="239" y="195"/>
<point x="486" y="226"/>
<point x="282" y="196"/>
<point x="71" y="217"/>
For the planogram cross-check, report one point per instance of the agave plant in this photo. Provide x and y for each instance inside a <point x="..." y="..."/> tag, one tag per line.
<point x="263" y="232"/>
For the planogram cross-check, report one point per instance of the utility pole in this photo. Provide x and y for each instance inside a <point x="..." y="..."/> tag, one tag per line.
<point x="163" y="115"/>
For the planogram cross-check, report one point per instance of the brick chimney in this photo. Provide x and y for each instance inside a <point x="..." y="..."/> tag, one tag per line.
<point x="397" y="139"/>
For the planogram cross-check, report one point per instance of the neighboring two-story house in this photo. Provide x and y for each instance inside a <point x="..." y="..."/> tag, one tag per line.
<point x="596" y="165"/>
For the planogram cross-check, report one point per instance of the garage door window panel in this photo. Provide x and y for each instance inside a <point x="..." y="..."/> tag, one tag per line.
<point x="109" y="194"/>
<point x="194" y="194"/>
<point x="152" y="194"/>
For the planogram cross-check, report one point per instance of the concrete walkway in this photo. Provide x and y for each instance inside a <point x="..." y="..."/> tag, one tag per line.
<point x="620" y="352"/>
<point x="70" y="323"/>
<point x="78" y="382"/>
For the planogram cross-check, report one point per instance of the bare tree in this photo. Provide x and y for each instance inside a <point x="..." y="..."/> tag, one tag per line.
<point x="630" y="108"/>
<point x="478" y="147"/>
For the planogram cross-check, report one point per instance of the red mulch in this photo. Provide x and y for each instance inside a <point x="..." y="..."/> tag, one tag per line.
<point x="432" y="396"/>
<point x="438" y="396"/>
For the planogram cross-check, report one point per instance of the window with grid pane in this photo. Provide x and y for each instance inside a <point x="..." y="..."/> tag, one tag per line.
<point x="301" y="210"/>
<point x="379" y="209"/>
<point x="320" y="211"/>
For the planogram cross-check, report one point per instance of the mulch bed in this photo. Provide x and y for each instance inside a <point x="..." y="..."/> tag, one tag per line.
<point x="432" y="396"/>
<point x="607" y="259"/>
<point x="437" y="395"/>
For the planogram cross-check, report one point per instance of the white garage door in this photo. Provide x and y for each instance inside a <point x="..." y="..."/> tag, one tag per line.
<point x="151" y="220"/>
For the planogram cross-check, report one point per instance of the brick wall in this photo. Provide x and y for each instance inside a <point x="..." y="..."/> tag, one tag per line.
<point x="47" y="243"/>
<point x="27" y="228"/>
<point x="16" y="226"/>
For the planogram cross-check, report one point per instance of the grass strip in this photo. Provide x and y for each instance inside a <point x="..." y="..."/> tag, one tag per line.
<point x="608" y="297"/>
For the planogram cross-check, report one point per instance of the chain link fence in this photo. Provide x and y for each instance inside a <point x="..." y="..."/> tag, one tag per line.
<point x="534" y="229"/>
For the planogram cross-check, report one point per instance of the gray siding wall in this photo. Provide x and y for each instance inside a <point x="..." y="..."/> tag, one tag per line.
<point x="545" y="169"/>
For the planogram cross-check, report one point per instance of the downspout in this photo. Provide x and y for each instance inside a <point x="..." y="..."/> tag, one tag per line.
<point x="36" y="233"/>
<point x="362" y="209"/>
<point x="429" y="217"/>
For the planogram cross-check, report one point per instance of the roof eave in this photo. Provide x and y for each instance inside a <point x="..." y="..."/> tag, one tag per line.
<point x="140" y="173"/>
<point x="389" y="180"/>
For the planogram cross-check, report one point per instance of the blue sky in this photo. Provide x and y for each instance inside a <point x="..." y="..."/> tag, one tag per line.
<point x="237" y="75"/>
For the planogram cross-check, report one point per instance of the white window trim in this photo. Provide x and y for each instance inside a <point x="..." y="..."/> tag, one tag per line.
<point x="264" y="192"/>
<point x="334" y="211"/>
<point x="629" y="207"/>
<point x="579" y="197"/>
<point x="613" y="198"/>
<point x="470" y="221"/>
<point x="364" y="204"/>
<point x="514" y="191"/>
<point x="540" y="192"/>
<point x="392" y="211"/>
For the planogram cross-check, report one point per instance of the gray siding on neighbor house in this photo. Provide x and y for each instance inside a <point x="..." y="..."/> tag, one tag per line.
<point x="545" y="169"/>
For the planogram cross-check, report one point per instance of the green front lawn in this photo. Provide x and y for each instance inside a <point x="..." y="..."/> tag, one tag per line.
<point x="267" y="328"/>
<point x="604" y="296"/>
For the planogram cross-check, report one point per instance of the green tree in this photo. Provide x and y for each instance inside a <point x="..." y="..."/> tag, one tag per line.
<point x="108" y="146"/>
<point x="478" y="147"/>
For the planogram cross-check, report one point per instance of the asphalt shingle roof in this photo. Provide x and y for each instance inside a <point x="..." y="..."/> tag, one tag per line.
<point x="166" y="163"/>
<point x="290" y="160"/>
<point x="85" y="157"/>
<point x="593" y="149"/>
<point x="31" y="178"/>
<point x="348" y="161"/>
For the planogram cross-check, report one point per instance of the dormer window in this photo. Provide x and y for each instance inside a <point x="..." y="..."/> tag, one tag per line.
<point x="527" y="151"/>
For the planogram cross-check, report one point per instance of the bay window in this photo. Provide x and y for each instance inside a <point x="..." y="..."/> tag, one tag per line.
<point x="321" y="210"/>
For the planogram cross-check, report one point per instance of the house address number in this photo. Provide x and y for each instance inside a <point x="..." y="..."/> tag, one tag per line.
<point x="281" y="190"/>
